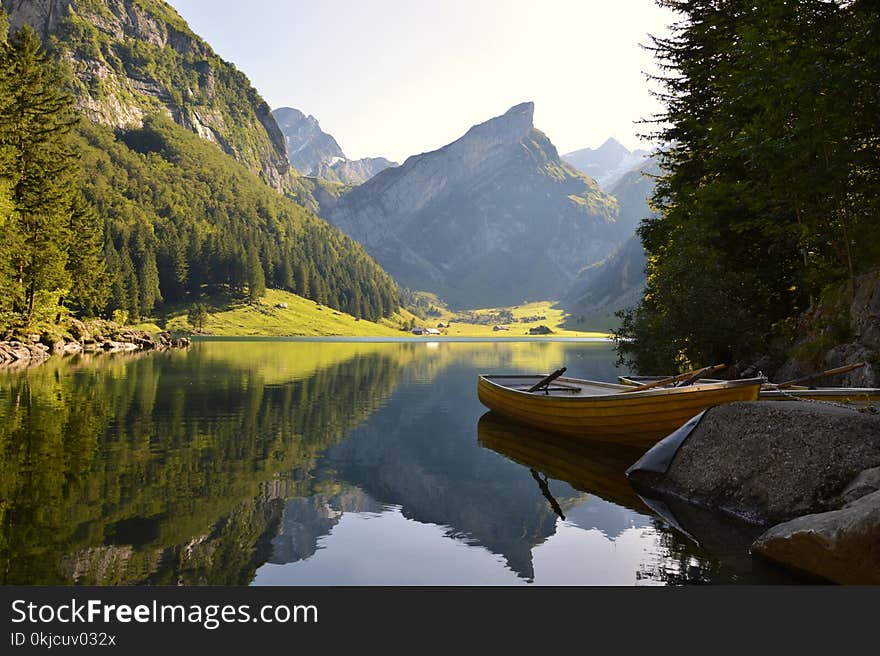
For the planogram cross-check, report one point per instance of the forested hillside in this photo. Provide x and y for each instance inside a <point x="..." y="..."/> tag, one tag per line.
<point x="770" y="196"/>
<point x="182" y="217"/>
<point x="96" y="220"/>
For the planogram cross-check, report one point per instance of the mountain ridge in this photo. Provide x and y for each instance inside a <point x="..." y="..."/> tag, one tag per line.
<point x="618" y="281"/>
<point x="608" y="163"/>
<point x="493" y="218"/>
<point x="316" y="153"/>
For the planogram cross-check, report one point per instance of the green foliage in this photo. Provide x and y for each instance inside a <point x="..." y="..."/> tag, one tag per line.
<point x="100" y="222"/>
<point x="771" y="175"/>
<point x="50" y="235"/>
<point x="197" y="315"/>
<point x="88" y="446"/>
<point x="180" y="212"/>
<point x="177" y="71"/>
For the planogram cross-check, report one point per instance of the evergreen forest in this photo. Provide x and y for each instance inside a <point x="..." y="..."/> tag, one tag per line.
<point x="770" y="192"/>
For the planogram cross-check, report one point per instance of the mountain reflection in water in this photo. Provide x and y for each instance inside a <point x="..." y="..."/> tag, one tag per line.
<point x="324" y="463"/>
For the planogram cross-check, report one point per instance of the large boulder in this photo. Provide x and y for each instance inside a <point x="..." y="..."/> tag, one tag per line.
<point x="769" y="462"/>
<point x="841" y="545"/>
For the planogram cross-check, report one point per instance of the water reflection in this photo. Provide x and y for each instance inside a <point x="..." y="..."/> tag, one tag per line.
<point x="138" y="469"/>
<point x="318" y="463"/>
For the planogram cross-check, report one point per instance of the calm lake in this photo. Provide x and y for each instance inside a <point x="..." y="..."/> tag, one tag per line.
<point x="294" y="462"/>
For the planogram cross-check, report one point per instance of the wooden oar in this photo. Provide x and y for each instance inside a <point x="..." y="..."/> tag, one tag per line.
<point x="545" y="382"/>
<point x="700" y="374"/>
<point x="690" y="376"/>
<point x="824" y="374"/>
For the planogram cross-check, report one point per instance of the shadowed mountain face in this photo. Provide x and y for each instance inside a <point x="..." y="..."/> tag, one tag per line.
<point x="608" y="163"/>
<point x="315" y="153"/>
<point x="617" y="282"/>
<point x="493" y="218"/>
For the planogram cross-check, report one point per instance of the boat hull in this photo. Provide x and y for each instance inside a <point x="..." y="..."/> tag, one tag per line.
<point x="634" y="418"/>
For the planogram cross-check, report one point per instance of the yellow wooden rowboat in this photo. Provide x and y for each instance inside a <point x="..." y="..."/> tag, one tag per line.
<point x="604" y="411"/>
<point x="771" y="392"/>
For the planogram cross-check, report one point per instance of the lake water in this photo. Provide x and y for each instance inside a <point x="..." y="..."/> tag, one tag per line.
<point x="302" y="462"/>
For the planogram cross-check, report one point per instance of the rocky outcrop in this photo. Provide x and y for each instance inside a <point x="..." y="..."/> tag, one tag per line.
<point x="97" y="336"/>
<point x="315" y="153"/>
<point x="812" y="469"/>
<point x="841" y="331"/>
<point x="490" y="219"/>
<point x="16" y="352"/>
<point x="171" y="70"/>
<point x="769" y="462"/>
<point x="841" y="545"/>
<point x="308" y="146"/>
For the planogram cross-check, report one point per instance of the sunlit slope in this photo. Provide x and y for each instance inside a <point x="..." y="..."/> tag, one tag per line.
<point x="267" y="317"/>
<point x="305" y="318"/>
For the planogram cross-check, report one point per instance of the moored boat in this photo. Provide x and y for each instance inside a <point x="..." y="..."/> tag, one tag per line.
<point x="771" y="392"/>
<point x="607" y="412"/>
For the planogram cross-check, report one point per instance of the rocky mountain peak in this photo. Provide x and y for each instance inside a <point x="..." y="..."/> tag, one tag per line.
<point x="315" y="153"/>
<point x="491" y="219"/>
<point x="608" y="163"/>
<point x="613" y="147"/>
<point x="511" y="127"/>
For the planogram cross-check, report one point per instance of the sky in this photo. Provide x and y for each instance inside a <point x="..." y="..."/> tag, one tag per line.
<point x="394" y="78"/>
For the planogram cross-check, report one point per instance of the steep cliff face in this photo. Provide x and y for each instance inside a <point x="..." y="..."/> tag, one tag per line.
<point x="308" y="146"/>
<point x="493" y="218"/>
<point x="315" y="153"/>
<point x="838" y="330"/>
<point x="132" y="58"/>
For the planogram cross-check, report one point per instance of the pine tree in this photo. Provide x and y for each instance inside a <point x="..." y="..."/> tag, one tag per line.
<point x="256" y="279"/>
<point x="35" y="125"/>
<point x="148" y="283"/>
<point x="11" y="242"/>
<point x="130" y="284"/>
<point x="118" y="299"/>
<point x="86" y="268"/>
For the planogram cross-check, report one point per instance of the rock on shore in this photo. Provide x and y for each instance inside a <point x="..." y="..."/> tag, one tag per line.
<point x="841" y="545"/>
<point x="768" y="462"/>
<point x="78" y="337"/>
<point x="812" y="469"/>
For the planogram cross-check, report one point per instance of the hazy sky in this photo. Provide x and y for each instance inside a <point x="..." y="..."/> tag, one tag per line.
<point x="399" y="77"/>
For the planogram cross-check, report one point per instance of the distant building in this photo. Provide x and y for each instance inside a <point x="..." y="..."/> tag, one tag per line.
<point x="419" y="331"/>
<point x="498" y="327"/>
<point x="432" y="331"/>
<point x="442" y="325"/>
